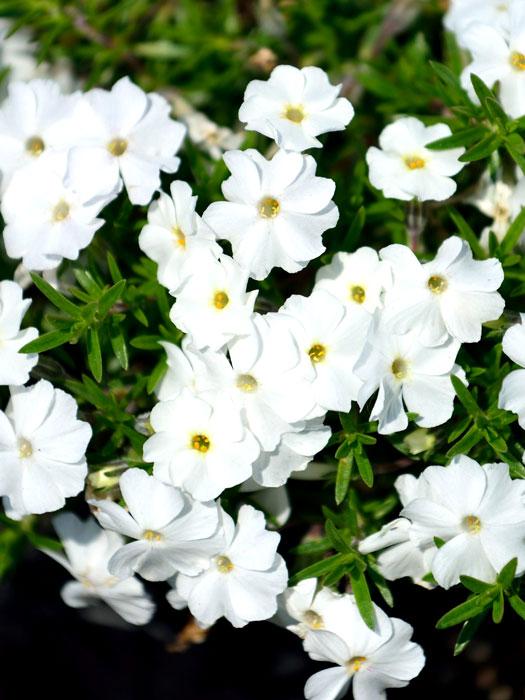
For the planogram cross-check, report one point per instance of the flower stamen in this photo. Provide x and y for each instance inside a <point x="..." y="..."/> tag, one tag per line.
<point x="201" y="443"/>
<point x="269" y="207"/>
<point x="117" y="147"/>
<point x="224" y="564"/>
<point x="35" y="146"/>
<point x="317" y="353"/>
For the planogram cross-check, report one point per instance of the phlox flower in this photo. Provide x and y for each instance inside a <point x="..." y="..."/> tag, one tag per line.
<point x="276" y="212"/>
<point x="38" y="124"/>
<point x="175" y="234"/>
<point x="14" y="365"/>
<point x="212" y="303"/>
<point x="332" y="337"/>
<point x="294" y="106"/>
<point x="310" y="608"/>
<point x="499" y="56"/>
<point x="130" y="135"/>
<point x="370" y="660"/>
<point x="403" y="168"/>
<point x="406" y="372"/>
<point x="402" y="551"/>
<point x="479" y="513"/>
<point x="46" y="219"/>
<point x="172" y="532"/>
<point x="87" y="550"/>
<point x="512" y="394"/>
<point x="198" y="448"/>
<point x="462" y="14"/>
<point x="501" y="202"/>
<point x="274" y="501"/>
<point x="450" y="296"/>
<point x="244" y="577"/>
<point x="42" y="449"/>
<point x="357" y="279"/>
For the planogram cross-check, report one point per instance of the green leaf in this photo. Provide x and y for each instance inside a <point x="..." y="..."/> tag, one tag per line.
<point x="110" y="297"/>
<point x="56" y="298"/>
<point x="362" y="596"/>
<point x="342" y="481"/>
<point x="461" y="138"/>
<point x="320" y="568"/>
<point x="48" y="341"/>
<point x="354" y="231"/>
<point x="465" y="397"/>
<point x="94" y="354"/>
<point x="468" y="632"/>
<point x="114" y="269"/>
<point x="498" y="607"/>
<point x="507" y="574"/>
<point x="467" y="442"/>
<point x="312" y="547"/>
<point x="481" y="150"/>
<point x="513" y="234"/>
<point x="474" y="585"/>
<point x="466" y="232"/>
<point x="337" y="538"/>
<point x="118" y="343"/>
<point x="518" y="605"/>
<point x="363" y="465"/>
<point x="488" y="101"/>
<point x="470" y="608"/>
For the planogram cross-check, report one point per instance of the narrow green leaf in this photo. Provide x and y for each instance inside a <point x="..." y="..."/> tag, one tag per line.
<point x="507" y="574"/>
<point x="465" y="137"/>
<point x="337" y="538"/>
<point x="470" y="608"/>
<point x="110" y="297"/>
<point x="498" y="607"/>
<point x="114" y="269"/>
<point x="481" y="150"/>
<point x="312" y="547"/>
<point x="466" y="397"/>
<point x="474" y="585"/>
<point x="48" y="341"/>
<point x="466" y="232"/>
<point x="468" y="632"/>
<point x="362" y="596"/>
<point x="320" y="568"/>
<point x="514" y="233"/>
<point x="94" y="354"/>
<point x="355" y="229"/>
<point x="467" y="442"/>
<point x="56" y="298"/>
<point x="118" y="343"/>
<point x="518" y="605"/>
<point x="363" y="465"/>
<point x="342" y="481"/>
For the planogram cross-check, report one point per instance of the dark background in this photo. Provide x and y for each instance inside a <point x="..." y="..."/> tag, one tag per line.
<point x="50" y="649"/>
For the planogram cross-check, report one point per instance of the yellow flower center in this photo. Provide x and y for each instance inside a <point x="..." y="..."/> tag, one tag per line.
<point x="25" y="449"/>
<point x="220" y="300"/>
<point x="294" y="113"/>
<point x="180" y="238"/>
<point x="35" y="146"/>
<point x="224" y="565"/>
<point x="61" y="211"/>
<point x="269" y="207"/>
<point x="355" y="664"/>
<point x="117" y="147"/>
<point x="517" y="60"/>
<point x="358" y="294"/>
<point x="472" y="524"/>
<point x="313" y="620"/>
<point x="414" y="162"/>
<point x="152" y="536"/>
<point x="399" y="368"/>
<point x="437" y="284"/>
<point x="201" y="443"/>
<point x="317" y="353"/>
<point x="247" y="383"/>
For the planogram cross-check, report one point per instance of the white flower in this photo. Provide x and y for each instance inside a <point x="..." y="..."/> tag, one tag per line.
<point x="292" y="454"/>
<point x="38" y="123"/>
<point x="244" y="577"/>
<point x="273" y="501"/>
<point x="175" y="234"/>
<point x="405" y="169"/>
<point x="42" y="449"/>
<point x="407" y="372"/>
<point x="198" y="448"/>
<point x="14" y="365"/>
<point x="371" y="660"/>
<point x="211" y="137"/>
<point x="212" y="304"/>
<point x="294" y="106"/>
<point x="180" y="373"/>
<point x="47" y="220"/>
<point x="499" y="56"/>
<point x="512" y="394"/>
<point x="131" y="135"/>
<point x="17" y="52"/>
<point x="88" y="549"/>
<point x="478" y="511"/>
<point x="501" y="202"/>
<point x="276" y="211"/>
<point x="464" y="13"/>
<point x="356" y="279"/>
<point x="312" y="609"/>
<point x="453" y="295"/>
<point x="172" y="531"/>
<point x="332" y="337"/>
<point x="402" y="551"/>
